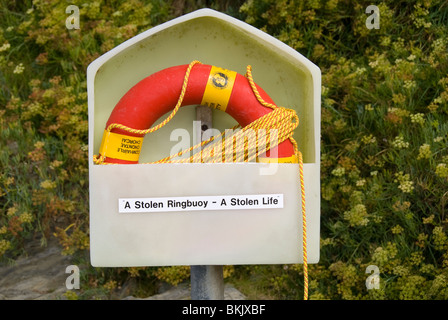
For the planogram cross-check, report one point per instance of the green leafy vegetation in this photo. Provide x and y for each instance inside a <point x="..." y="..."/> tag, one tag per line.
<point x="384" y="162"/>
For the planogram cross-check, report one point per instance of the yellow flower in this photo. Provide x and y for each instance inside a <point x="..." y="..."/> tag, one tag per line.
<point x="397" y="229"/>
<point x="401" y="206"/>
<point x="71" y="295"/>
<point x="398" y="98"/>
<point x="399" y="143"/>
<point x="370" y="139"/>
<point x="428" y="220"/>
<point x="25" y="217"/>
<point x="385" y="41"/>
<point x="440" y="239"/>
<point x="48" y="184"/>
<point x="12" y="211"/>
<point x="405" y="184"/>
<point x="39" y="144"/>
<point x="5" y="47"/>
<point x="418" y="118"/>
<point x="4" y="245"/>
<point x="409" y="84"/>
<point x="338" y="172"/>
<point x="357" y="216"/>
<point x="19" y="68"/>
<point x="424" y="152"/>
<point x="55" y="164"/>
<point x="110" y="285"/>
<point x="442" y="170"/>
<point x="9" y="180"/>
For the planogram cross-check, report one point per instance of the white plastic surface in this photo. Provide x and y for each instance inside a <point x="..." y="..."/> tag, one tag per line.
<point x="258" y="236"/>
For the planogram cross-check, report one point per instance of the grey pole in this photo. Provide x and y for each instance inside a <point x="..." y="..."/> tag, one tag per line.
<point x="207" y="281"/>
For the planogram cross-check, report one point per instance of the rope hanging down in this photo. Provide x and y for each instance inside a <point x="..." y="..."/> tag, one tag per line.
<point x="271" y="129"/>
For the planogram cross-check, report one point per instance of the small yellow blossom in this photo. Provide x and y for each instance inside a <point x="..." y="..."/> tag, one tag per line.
<point x="19" y="68"/>
<point x="385" y="41"/>
<point x="409" y="84"/>
<point x="3" y="230"/>
<point x="9" y="180"/>
<point x="39" y="144"/>
<point x="398" y="98"/>
<point x="11" y="211"/>
<point x="71" y="295"/>
<point x="418" y="118"/>
<point x="398" y="111"/>
<point x="401" y="206"/>
<point x="5" y="46"/>
<point x="383" y="255"/>
<point x="4" y="245"/>
<point x="48" y="184"/>
<point x="55" y="164"/>
<point x="370" y="139"/>
<point x="368" y="107"/>
<point x="397" y="229"/>
<point x="338" y="172"/>
<point x="360" y="71"/>
<point x="357" y="216"/>
<point x="327" y="242"/>
<point x="405" y="184"/>
<point x="49" y="93"/>
<point x="428" y="220"/>
<point x="424" y="152"/>
<point x="25" y="217"/>
<point x="442" y="170"/>
<point x="401" y="270"/>
<point x="399" y="143"/>
<point x="110" y="285"/>
<point x="440" y="238"/>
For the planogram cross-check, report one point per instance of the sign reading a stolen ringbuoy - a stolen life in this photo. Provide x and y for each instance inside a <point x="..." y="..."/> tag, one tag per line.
<point x="197" y="203"/>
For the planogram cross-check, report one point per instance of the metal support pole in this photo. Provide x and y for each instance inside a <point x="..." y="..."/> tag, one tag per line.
<point x="207" y="282"/>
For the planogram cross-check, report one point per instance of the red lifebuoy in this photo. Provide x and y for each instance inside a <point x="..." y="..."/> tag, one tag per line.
<point x="158" y="93"/>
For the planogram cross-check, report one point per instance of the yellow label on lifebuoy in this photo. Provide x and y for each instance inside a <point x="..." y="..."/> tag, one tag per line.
<point x="291" y="159"/>
<point x="120" y="146"/>
<point x="219" y="88"/>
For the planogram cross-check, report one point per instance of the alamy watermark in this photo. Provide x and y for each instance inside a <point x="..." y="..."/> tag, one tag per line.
<point x="72" y="281"/>
<point x="373" y="281"/>
<point x="72" y="21"/>
<point x="373" y="21"/>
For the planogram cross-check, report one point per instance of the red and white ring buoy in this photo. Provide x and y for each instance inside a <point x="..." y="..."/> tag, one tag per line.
<point x="157" y="94"/>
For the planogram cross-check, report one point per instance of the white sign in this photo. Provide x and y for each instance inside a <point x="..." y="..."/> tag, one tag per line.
<point x="195" y="203"/>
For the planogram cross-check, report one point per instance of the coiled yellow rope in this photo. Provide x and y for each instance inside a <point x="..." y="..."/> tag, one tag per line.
<point x="280" y="122"/>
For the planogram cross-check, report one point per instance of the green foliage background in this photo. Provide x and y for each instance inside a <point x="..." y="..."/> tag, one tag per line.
<point x="384" y="139"/>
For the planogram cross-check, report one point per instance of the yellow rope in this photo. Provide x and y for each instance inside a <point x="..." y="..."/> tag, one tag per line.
<point x="280" y="121"/>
